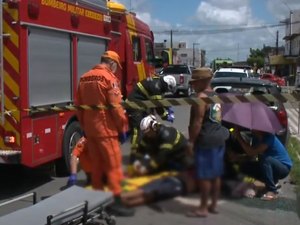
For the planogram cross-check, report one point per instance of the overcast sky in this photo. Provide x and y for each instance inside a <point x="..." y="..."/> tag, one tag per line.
<point x="196" y="15"/>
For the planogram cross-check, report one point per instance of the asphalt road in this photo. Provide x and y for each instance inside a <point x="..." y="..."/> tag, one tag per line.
<point x="15" y="181"/>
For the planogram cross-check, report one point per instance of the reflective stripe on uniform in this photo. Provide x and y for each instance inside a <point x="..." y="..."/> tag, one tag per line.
<point x="177" y="138"/>
<point x="165" y="113"/>
<point x="145" y="92"/>
<point x="156" y="97"/>
<point x="142" y="143"/>
<point x="171" y="146"/>
<point x="166" y="146"/>
<point x="134" y="143"/>
<point x="153" y="164"/>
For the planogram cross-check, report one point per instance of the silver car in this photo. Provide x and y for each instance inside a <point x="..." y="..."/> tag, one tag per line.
<point x="182" y="74"/>
<point x="232" y="72"/>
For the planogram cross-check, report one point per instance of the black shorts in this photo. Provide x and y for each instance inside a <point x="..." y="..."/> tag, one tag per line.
<point x="164" y="188"/>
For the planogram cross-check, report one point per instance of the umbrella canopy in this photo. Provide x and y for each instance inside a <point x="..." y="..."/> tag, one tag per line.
<point x="252" y="115"/>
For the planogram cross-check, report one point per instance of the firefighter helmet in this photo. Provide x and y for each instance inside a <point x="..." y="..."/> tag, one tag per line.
<point x="147" y="123"/>
<point x="171" y="81"/>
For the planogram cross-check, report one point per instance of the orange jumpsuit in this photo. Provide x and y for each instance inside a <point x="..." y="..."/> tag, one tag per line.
<point x="99" y="86"/>
<point x="81" y="152"/>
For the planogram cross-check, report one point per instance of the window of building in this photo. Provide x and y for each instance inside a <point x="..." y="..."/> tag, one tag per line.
<point x="136" y="48"/>
<point x="183" y="55"/>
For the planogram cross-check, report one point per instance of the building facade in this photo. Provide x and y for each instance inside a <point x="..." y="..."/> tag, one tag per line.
<point x="182" y="54"/>
<point x="292" y="41"/>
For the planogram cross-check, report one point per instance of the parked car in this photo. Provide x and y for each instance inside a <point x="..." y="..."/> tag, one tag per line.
<point x="248" y="86"/>
<point x="232" y="72"/>
<point x="182" y="74"/>
<point x="273" y="78"/>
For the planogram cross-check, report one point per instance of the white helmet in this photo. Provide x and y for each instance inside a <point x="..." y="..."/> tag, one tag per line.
<point x="147" y="123"/>
<point x="171" y="81"/>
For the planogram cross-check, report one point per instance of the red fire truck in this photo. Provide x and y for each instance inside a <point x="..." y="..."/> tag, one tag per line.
<point x="45" y="46"/>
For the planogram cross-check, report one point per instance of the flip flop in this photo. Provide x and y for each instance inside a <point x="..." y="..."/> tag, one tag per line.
<point x="196" y="214"/>
<point x="269" y="196"/>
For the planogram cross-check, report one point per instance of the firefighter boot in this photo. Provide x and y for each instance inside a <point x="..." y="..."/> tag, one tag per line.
<point x="119" y="209"/>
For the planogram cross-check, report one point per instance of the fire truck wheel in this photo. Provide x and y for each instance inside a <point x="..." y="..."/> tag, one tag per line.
<point x="72" y="134"/>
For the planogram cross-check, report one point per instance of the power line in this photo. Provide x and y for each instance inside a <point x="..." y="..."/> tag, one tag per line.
<point x="286" y="5"/>
<point x="226" y="49"/>
<point x="217" y="31"/>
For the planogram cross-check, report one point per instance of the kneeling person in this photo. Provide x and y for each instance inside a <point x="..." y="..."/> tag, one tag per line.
<point x="80" y="153"/>
<point x="161" y="148"/>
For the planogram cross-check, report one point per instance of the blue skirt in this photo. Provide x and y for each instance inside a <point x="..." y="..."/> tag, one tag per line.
<point x="209" y="162"/>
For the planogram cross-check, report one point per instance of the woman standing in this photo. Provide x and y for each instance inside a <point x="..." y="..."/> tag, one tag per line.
<point x="207" y="141"/>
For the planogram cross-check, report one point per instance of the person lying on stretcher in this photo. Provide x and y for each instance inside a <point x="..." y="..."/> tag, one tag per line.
<point x="161" y="148"/>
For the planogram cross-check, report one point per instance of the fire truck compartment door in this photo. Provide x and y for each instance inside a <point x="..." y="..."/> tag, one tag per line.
<point x="44" y="139"/>
<point x="89" y="51"/>
<point x="49" y="60"/>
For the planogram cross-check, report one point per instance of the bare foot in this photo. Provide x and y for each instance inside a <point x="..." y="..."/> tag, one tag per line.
<point x="197" y="213"/>
<point x="269" y="196"/>
<point x="213" y="210"/>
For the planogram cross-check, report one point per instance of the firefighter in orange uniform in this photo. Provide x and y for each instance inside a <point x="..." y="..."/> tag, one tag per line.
<point x="99" y="86"/>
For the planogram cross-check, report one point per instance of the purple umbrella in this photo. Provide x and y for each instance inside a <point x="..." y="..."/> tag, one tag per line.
<point x="252" y="115"/>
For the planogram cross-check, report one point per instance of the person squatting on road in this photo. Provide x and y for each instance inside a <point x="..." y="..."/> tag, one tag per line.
<point x="207" y="140"/>
<point x="273" y="164"/>
<point x="160" y="148"/>
<point x="99" y="86"/>
<point x="152" y="88"/>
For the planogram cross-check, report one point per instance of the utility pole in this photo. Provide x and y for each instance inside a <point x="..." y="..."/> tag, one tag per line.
<point x="238" y="52"/>
<point x="277" y="32"/>
<point x="171" y="46"/>
<point x="291" y="30"/>
<point x="194" y="55"/>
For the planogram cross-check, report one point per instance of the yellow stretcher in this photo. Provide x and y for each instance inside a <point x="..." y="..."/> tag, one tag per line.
<point x="130" y="184"/>
<point x="134" y="183"/>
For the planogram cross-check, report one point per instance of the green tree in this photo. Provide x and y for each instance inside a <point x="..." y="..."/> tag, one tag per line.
<point x="256" y="57"/>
